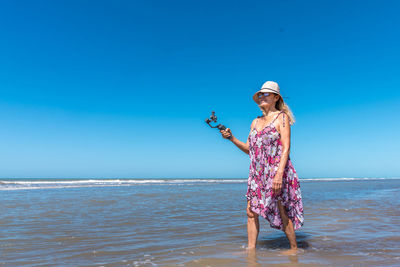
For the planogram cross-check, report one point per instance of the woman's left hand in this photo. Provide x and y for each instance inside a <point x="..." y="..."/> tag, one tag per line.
<point x="277" y="185"/>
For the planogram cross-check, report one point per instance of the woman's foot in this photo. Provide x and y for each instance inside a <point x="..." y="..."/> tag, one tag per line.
<point x="292" y="251"/>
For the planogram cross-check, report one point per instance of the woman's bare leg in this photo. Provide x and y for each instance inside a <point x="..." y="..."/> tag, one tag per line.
<point x="288" y="229"/>
<point x="253" y="227"/>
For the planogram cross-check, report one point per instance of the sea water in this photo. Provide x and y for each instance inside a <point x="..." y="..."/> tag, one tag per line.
<point x="192" y="222"/>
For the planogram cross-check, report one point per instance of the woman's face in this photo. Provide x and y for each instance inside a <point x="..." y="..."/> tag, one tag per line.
<point x="266" y="100"/>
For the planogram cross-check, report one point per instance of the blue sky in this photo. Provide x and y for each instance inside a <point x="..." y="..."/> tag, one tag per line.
<point x="113" y="89"/>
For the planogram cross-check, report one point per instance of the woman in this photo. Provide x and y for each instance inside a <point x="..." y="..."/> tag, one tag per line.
<point x="273" y="189"/>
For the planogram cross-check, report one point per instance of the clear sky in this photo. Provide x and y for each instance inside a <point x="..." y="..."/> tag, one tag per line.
<point x="114" y="89"/>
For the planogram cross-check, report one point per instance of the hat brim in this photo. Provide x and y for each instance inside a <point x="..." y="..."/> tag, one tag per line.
<point x="264" y="90"/>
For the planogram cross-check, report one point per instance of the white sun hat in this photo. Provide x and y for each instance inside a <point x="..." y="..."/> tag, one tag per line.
<point x="269" y="86"/>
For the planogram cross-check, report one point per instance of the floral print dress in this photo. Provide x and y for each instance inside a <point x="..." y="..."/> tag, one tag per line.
<point x="265" y="149"/>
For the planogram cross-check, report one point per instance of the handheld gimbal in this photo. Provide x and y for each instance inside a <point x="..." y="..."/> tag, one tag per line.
<point x="213" y="118"/>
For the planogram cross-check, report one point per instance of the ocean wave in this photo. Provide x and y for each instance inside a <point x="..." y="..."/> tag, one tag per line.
<point x="51" y="184"/>
<point x="65" y="183"/>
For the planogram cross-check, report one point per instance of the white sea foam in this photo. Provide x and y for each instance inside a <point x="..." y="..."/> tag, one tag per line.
<point x="65" y="183"/>
<point x="49" y="184"/>
<point x="120" y="181"/>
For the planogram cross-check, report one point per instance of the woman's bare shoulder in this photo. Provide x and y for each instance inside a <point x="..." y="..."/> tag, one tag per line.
<point x="254" y="122"/>
<point x="283" y="120"/>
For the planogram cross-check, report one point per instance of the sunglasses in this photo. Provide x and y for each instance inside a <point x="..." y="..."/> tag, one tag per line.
<point x="263" y="95"/>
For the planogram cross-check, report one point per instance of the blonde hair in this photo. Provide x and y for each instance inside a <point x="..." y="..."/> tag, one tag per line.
<point x="281" y="105"/>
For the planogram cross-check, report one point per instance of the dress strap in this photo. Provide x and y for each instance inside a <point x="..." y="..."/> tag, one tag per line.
<point x="255" y="124"/>
<point x="278" y="116"/>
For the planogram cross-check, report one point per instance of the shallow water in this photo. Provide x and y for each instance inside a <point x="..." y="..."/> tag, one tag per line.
<point x="192" y="223"/>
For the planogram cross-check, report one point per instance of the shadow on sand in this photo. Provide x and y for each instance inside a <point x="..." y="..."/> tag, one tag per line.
<point x="279" y="241"/>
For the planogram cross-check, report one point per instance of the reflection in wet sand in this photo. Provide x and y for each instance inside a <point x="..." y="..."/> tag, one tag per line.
<point x="252" y="258"/>
<point x="256" y="258"/>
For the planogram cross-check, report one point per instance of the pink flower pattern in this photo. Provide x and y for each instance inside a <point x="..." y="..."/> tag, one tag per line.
<point x="265" y="149"/>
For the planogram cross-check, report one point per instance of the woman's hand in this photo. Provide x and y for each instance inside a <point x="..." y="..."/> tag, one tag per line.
<point x="277" y="184"/>
<point x="227" y="134"/>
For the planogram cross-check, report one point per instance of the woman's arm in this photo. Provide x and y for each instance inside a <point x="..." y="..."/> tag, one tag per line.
<point x="242" y="146"/>
<point x="283" y="127"/>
